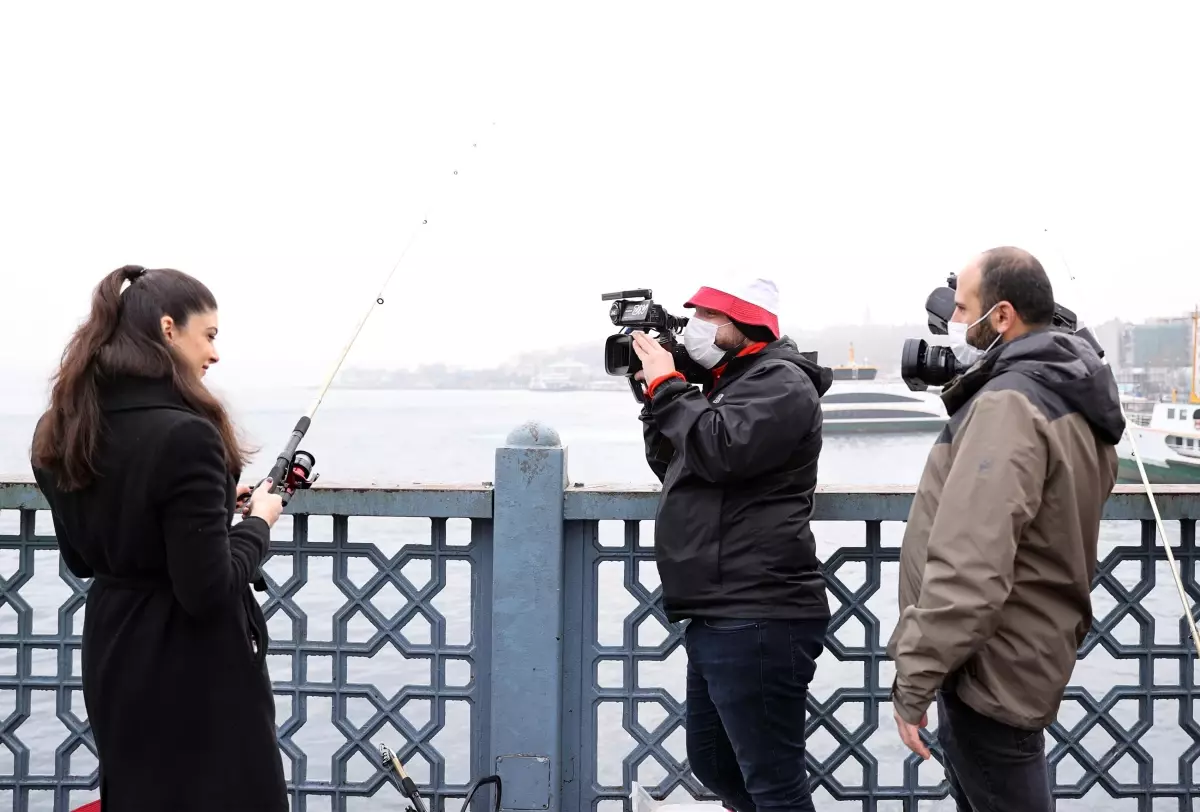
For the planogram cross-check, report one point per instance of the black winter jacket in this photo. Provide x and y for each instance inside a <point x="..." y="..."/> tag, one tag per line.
<point x="175" y="681"/>
<point x="738" y="464"/>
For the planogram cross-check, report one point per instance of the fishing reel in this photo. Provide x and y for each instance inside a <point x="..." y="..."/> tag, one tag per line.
<point x="297" y="475"/>
<point x="292" y="467"/>
<point x="408" y="787"/>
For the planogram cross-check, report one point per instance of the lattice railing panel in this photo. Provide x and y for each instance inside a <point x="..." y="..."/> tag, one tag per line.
<point x="382" y="631"/>
<point x="634" y="664"/>
<point x="379" y="633"/>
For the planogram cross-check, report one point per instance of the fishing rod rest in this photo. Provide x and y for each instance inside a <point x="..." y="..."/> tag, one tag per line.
<point x="389" y="761"/>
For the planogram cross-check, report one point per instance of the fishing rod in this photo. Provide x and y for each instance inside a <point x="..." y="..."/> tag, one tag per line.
<point x="293" y="471"/>
<point x="409" y="788"/>
<point x="293" y="468"/>
<point x="1158" y="521"/>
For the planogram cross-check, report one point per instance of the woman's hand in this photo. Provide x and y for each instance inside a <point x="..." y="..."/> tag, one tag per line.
<point x="264" y="504"/>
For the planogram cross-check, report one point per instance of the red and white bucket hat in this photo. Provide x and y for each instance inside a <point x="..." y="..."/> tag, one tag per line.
<point x="753" y="302"/>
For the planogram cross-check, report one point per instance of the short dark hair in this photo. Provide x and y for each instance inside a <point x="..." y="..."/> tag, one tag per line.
<point x="1015" y="276"/>
<point x="755" y="332"/>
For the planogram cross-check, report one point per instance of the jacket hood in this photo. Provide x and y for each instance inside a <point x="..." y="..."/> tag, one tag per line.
<point x="1060" y="361"/>
<point x="785" y="348"/>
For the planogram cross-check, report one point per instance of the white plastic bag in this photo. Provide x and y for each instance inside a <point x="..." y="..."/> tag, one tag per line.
<point x="641" y="801"/>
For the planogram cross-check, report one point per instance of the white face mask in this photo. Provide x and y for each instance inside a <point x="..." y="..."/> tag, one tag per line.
<point x="966" y="354"/>
<point x="699" y="339"/>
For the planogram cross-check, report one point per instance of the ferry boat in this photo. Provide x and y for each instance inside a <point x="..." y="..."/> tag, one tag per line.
<point x="853" y="371"/>
<point x="880" y="407"/>
<point x="1138" y="410"/>
<point x="1169" y="444"/>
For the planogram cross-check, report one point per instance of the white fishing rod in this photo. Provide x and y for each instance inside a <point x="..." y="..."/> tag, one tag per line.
<point x="293" y="467"/>
<point x="1158" y="521"/>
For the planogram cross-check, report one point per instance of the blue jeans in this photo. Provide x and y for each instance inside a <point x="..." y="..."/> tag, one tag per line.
<point x="991" y="766"/>
<point x="747" y="684"/>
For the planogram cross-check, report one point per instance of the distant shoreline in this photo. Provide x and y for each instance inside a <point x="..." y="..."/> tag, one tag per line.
<point x="620" y="387"/>
<point x="459" y="387"/>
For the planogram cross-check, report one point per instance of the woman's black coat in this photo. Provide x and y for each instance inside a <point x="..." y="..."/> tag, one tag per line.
<point x="174" y="643"/>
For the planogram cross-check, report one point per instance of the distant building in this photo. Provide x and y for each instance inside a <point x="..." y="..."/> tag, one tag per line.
<point x="562" y="376"/>
<point x="1154" y="358"/>
<point x="1161" y="343"/>
<point x="1109" y="335"/>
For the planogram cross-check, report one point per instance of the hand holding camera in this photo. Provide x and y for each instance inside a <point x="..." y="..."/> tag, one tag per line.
<point x="656" y="360"/>
<point x="636" y="313"/>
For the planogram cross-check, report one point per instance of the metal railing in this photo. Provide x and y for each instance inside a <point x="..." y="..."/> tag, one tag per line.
<point x="513" y="628"/>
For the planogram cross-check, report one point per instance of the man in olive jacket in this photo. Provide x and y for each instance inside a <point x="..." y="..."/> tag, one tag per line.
<point x="736" y="555"/>
<point x="998" y="557"/>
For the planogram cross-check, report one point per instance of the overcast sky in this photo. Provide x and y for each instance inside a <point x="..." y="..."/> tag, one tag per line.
<point x="856" y="153"/>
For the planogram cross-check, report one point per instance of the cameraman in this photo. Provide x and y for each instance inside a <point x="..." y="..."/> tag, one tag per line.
<point x="999" y="553"/>
<point x="735" y="553"/>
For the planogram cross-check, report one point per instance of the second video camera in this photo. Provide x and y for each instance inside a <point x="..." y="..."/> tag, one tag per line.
<point x="923" y="365"/>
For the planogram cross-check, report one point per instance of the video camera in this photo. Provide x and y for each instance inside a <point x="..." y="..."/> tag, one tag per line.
<point x="635" y="310"/>
<point x="923" y="365"/>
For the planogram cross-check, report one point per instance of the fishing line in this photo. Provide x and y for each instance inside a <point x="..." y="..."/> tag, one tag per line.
<point x="379" y="298"/>
<point x="293" y="467"/>
<point x="1158" y="521"/>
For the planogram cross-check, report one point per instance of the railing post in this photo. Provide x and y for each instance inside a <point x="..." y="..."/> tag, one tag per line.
<point x="527" y="617"/>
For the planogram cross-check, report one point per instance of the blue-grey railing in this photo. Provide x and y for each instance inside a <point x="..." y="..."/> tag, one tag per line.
<point x="524" y="612"/>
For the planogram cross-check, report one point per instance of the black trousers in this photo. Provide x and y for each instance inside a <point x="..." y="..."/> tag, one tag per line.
<point x="991" y="766"/>
<point x="747" y="685"/>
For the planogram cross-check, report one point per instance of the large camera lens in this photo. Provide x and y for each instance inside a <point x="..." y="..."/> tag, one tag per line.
<point x="923" y="365"/>
<point x="619" y="357"/>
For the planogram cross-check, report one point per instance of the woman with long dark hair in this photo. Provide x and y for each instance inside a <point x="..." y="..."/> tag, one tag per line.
<point x="139" y="463"/>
